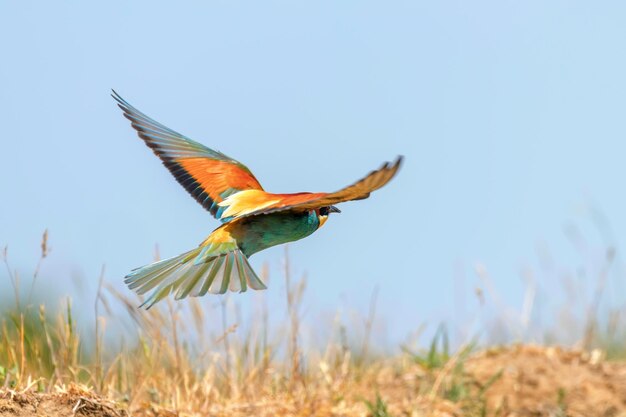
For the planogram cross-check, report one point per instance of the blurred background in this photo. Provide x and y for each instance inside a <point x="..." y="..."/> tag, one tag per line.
<point x="505" y="221"/>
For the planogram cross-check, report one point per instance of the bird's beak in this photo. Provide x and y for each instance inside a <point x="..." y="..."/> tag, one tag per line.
<point x="331" y="209"/>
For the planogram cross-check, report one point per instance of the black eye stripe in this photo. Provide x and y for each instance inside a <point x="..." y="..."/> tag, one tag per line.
<point x="324" y="211"/>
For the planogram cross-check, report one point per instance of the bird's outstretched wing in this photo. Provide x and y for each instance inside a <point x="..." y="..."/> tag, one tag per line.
<point x="239" y="205"/>
<point x="209" y="176"/>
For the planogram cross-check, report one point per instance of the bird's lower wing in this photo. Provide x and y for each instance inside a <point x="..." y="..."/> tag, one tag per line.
<point x="240" y="205"/>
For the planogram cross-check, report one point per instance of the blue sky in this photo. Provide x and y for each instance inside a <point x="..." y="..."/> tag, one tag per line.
<point x="510" y="115"/>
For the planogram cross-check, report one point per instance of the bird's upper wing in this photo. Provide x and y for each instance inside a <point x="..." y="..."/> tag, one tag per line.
<point x="209" y="176"/>
<point x="241" y="204"/>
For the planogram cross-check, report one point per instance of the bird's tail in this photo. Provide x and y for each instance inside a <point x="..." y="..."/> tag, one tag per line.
<point x="213" y="269"/>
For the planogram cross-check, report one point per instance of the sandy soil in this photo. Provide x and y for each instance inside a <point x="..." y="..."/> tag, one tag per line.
<point x="539" y="381"/>
<point x="72" y="402"/>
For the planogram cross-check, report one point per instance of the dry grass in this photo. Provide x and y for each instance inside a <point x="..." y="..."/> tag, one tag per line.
<point x="174" y="364"/>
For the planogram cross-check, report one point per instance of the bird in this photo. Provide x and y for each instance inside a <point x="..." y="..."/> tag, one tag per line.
<point x="251" y="218"/>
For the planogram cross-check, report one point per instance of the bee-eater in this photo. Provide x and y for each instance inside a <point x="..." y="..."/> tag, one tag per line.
<point x="252" y="219"/>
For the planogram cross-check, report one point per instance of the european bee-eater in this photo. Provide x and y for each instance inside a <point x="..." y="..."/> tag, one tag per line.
<point x="252" y="219"/>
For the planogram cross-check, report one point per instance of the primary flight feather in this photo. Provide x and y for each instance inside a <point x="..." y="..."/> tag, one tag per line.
<point x="252" y="219"/>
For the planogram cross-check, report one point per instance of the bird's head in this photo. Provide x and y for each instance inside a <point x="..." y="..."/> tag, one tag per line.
<point x="323" y="212"/>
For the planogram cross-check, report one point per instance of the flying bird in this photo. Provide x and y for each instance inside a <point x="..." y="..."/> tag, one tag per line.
<point x="252" y="219"/>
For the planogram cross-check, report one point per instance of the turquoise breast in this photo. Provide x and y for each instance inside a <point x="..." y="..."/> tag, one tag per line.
<point x="261" y="232"/>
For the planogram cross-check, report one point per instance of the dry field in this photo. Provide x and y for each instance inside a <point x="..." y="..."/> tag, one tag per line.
<point x="172" y="364"/>
<point x="529" y="381"/>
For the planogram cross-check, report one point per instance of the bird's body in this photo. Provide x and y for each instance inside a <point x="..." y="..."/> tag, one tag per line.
<point x="256" y="233"/>
<point x="252" y="219"/>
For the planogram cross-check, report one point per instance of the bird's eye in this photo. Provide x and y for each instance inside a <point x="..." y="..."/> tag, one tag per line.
<point x="324" y="211"/>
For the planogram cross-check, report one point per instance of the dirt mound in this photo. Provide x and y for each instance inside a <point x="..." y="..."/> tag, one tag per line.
<point x="71" y="402"/>
<point x="540" y="381"/>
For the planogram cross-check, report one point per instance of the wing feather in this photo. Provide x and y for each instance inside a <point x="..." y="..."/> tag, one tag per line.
<point x="208" y="175"/>
<point x="307" y="201"/>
